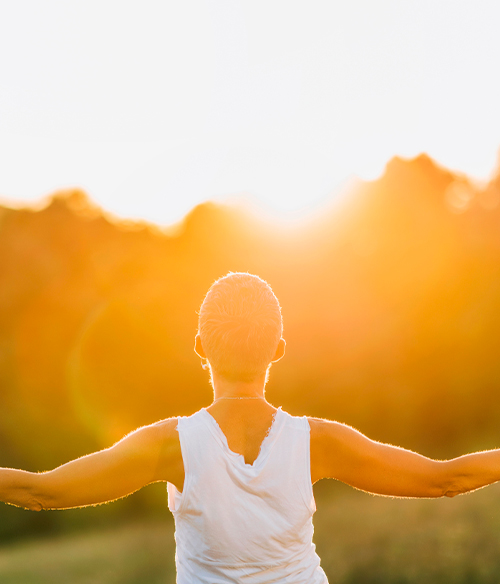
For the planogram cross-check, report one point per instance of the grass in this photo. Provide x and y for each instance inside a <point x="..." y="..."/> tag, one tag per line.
<point x="361" y="540"/>
<point x="140" y="553"/>
<point x="377" y="540"/>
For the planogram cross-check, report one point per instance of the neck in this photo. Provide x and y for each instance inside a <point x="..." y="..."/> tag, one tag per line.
<point x="226" y="389"/>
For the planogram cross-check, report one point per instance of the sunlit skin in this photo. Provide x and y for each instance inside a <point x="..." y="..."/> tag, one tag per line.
<point x="152" y="454"/>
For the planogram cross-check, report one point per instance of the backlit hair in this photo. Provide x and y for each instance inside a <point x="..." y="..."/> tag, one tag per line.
<point x="240" y="326"/>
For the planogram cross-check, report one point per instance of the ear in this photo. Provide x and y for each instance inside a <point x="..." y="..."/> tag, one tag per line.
<point x="280" y="351"/>
<point x="198" y="347"/>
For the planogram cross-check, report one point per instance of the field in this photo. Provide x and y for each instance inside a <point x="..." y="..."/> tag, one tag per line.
<point x="361" y="540"/>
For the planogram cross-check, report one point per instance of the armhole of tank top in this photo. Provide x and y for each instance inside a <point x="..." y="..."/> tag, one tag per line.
<point x="187" y="475"/>
<point x="310" y="500"/>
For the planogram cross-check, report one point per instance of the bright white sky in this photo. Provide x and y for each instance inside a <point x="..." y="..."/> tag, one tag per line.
<point x="155" y="106"/>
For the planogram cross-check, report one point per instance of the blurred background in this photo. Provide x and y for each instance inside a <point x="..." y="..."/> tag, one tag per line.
<point x="146" y="151"/>
<point x="390" y="300"/>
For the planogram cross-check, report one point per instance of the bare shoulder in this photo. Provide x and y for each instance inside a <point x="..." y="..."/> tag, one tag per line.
<point x="331" y="442"/>
<point x="325" y="431"/>
<point x="165" y="429"/>
<point x="155" y="434"/>
<point x="160" y="441"/>
<point x="165" y="435"/>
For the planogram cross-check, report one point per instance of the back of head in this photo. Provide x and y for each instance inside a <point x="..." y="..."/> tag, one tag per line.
<point x="240" y="326"/>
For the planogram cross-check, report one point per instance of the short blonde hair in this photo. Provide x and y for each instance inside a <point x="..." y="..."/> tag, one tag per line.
<point x="240" y="326"/>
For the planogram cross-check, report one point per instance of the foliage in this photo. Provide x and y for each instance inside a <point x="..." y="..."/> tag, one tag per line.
<point x="391" y="304"/>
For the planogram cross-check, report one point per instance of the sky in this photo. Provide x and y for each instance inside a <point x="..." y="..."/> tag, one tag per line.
<point x="153" y="107"/>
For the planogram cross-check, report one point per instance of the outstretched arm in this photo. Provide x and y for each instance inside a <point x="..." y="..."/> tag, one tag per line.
<point x="342" y="453"/>
<point x="148" y="455"/>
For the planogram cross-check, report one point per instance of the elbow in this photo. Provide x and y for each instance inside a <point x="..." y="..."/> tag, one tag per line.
<point x="35" y="501"/>
<point x="454" y="489"/>
<point x="458" y="488"/>
<point x="23" y="489"/>
<point x="26" y="499"/>
<point x="35" y="505"/>
<point x="451" y="483"/>
<point x="38" y="495"/>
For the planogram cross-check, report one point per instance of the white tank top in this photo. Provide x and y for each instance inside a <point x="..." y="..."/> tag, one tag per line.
<point x="239" y="522"/>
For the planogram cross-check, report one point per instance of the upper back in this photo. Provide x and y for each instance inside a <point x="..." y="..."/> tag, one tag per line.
<point x="234" y="514"/>
<point x="245" y="425"/>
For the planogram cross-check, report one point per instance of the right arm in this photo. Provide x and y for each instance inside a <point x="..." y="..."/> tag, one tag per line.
<point x="150" y="454"/>
<point x="342" y="453"/>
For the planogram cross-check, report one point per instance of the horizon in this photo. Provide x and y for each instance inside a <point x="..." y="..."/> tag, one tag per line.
<point x="248" y="203"/>
<point x="154" y="109"/>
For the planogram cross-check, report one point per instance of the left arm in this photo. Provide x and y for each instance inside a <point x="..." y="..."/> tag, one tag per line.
<point x="148" y="455"/>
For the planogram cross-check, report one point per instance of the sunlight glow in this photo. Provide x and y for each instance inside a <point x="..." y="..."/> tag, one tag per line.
<point x="155" y="108"/>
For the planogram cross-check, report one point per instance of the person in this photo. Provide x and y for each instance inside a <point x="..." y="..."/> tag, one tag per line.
<point x="240" y="472"/>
